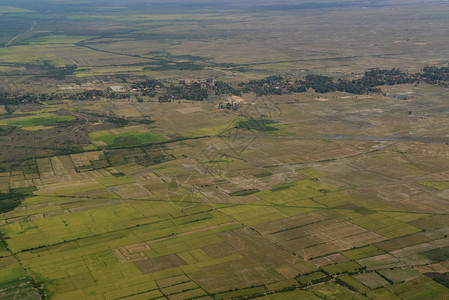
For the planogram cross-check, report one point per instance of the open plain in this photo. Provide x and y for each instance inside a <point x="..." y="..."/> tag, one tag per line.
<point x="109" y="191"/>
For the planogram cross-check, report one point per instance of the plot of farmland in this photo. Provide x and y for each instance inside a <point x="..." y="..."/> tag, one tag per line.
<point x="438" y="185"/>
<point x="128" y="139"/>
<point x="176" y="221"/>
<point x="42" y="121"/>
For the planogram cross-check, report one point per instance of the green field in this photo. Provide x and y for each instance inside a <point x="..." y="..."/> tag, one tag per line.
<point x="40" y="121"/>
<point x="36" y="122"/>
<point x="438" y="185"/>
<point x="129" y="139"/>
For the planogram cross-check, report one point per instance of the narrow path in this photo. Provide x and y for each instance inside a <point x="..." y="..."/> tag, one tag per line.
<point x="19" y="35"/>
<point x="79" y="116"/>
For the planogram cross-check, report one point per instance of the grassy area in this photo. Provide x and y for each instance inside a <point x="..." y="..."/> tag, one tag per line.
<point x="420" y="288"/>
<point x="312" y="173"/>
<point x="115" y="180"/>
<point x="362" y="252"/>
<point x="371" y="280"/>
<point x="129" y="139"/>
<point x="258" y="125"/>
<point x="56" y="39"/>
<point x="438" y="185"/>
<point x="399" y="275"/>
<point x="212" y="130"/>
<point x="354" y="284"/>
<point x="345" y="267"/>
<point x="36" y="122"/>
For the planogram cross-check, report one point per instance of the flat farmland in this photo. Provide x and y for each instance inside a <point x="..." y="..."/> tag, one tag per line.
<point x="117" y="222"/>
<point x="114" y="186"/>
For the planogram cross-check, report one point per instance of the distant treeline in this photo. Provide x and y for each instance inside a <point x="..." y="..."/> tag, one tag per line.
<point x="271" y="85"/>
<point x="368" y="83"/>
<point x="278" y="85"/>
<point x="8" y="98"/>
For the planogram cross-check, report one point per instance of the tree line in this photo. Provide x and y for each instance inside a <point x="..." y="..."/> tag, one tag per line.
<point x="271" y="85"/>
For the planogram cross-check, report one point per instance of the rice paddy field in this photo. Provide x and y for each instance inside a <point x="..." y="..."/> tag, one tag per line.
<point x="307" y="210"/>
<point x="295" y="196"/>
